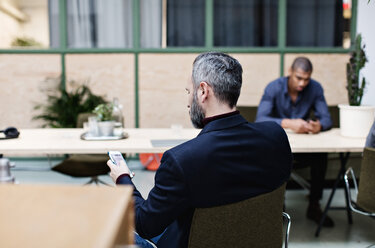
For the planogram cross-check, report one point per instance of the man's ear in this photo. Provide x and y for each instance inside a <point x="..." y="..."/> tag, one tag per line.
<point x="203" y="91"/>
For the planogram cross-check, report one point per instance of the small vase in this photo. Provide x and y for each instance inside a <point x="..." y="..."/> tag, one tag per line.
<point x="106" y="128"/>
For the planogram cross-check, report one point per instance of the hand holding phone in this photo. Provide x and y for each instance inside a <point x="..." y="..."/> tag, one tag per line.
<point x="116" y="158"/>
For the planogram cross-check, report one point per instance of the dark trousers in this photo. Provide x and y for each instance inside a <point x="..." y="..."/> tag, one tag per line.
<point x="318" y="168"/>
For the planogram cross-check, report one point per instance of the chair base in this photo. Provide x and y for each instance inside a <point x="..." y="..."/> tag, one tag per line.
<point x="97" y="181"/>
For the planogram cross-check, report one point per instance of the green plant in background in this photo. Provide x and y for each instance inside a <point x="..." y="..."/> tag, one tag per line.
<point x="104" y="112"/>
<point x="356" y="62"/>
<point x="25" y="42"/>
<point x="63" y="107"/>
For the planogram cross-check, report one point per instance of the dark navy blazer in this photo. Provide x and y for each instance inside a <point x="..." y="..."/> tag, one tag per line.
<point x="229" y="161"/>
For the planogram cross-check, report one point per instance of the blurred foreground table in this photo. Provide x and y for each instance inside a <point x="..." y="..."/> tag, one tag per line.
<point x="65" y="216"/>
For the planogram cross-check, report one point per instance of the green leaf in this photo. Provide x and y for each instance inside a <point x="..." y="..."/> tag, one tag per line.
<point x="356" y="62"/>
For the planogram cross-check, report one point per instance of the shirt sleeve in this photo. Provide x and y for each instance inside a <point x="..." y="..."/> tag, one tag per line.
<point x="321" y="110"/>
<point x="266" y="105"/>
<point x="165" y="202"/>
<point x="370" y="140"/>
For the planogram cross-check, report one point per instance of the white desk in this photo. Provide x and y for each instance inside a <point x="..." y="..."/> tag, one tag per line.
<point x="329" y="141"/>
<point x="67" y="141"/>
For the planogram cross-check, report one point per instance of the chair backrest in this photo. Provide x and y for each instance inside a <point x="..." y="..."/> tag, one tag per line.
<point x="366" y="187"/>
<point x="255" y="222"/>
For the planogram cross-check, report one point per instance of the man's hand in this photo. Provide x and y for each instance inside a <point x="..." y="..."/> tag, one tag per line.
<point x="117" y="170"/>
<point x="314" y="126"/>
<point x="297" y="125"/>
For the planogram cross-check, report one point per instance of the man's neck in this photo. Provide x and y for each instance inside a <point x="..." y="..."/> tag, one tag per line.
<point x="219" y="110"/>
<point x="216" y="117"/>
<point x="292" y="93"/>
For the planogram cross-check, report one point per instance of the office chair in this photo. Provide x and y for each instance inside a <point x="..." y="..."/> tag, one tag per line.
<point x="151" y="161"/>
<point x="84" y="165"/>
<point x="365" y="200"/>
<point x="255" y="222"/>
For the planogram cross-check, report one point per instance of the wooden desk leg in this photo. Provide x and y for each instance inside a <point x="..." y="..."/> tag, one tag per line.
<point x="340" y="177"/>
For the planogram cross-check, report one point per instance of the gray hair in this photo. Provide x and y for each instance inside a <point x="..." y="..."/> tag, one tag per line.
<point x="302" y="63"/>
<point x="222" y="72"/>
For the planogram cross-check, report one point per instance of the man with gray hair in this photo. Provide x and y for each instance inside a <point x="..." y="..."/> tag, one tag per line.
<point x="229" y="161"/>
<point x="290" y="101"/>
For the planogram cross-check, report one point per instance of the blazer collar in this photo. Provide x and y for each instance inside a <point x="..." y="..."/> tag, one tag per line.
<point x="224" y="123"/>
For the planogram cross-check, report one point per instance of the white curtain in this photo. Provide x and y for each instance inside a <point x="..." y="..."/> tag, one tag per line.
<point x="80" y="24"/>
<point x="53" y="14"/>
<point x="151" y="24"/>
<point x="99" y="23"/>
<point x="114" y="23"/>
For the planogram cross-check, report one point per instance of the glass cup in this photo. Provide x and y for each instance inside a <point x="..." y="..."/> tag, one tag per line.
<point x="93" y="129"/>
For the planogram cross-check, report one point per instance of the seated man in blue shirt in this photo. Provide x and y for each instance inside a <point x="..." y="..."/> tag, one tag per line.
<point x="289" y="102"/>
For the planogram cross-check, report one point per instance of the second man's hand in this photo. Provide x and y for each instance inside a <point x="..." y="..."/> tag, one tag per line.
<point x="297" y="125"/>
<point x="314" y="126"/>
<point x="302" y="126"/>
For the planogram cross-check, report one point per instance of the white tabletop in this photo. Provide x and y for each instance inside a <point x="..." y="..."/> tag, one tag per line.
<point x="328" y="141"/>
<point x="67" y="141"/>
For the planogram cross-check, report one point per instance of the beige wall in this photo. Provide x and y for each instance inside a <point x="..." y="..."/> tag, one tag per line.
<point x="329" y="70"/>
<point x="162" y="95"/>
<point x="109" y="75"/>
<point x="21" y="78"/>
<point x="162" y="81"/>
<point x="258" y="71"/>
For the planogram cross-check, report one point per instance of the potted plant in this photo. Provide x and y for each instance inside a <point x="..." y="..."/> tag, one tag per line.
<point x="63" y="107"/>
<point x="106" y="122"/>
<point x="356" y="120"/>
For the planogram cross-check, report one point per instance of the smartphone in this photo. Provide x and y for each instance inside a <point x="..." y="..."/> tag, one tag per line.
<point x="116" y="157"/>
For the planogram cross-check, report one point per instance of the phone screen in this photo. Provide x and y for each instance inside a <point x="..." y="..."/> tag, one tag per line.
<point x="116" y="157"/>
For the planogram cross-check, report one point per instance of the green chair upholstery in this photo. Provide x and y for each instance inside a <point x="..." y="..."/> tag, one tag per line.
<point x="255" y="222"/>
<point x="365" y="203"/>
<point x="366" y="189"/>
<point x="84" y="165"/>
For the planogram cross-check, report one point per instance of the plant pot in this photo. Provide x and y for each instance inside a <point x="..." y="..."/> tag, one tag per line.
<point x="356" y="121"/>
<point x="106" y="128"/>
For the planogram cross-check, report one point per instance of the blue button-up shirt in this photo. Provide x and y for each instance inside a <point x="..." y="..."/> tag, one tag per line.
<point x="276" y="103"/>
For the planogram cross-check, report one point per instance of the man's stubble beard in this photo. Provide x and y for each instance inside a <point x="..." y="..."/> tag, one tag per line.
<point x="196" y="113"/>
